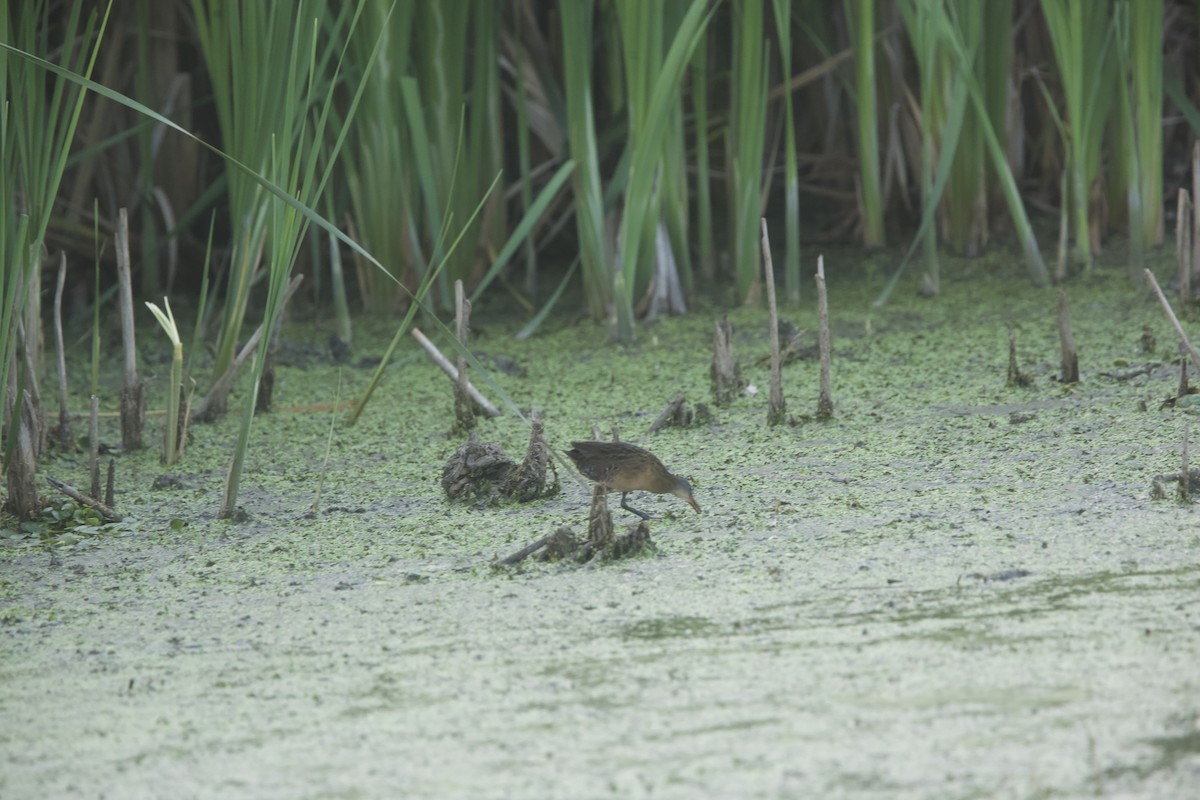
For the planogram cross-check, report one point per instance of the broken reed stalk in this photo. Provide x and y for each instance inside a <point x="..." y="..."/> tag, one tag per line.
<point x="725" y="373"/>
<point x="65" y="440"/>
<point x="94" y="445"/>
<point x="1183" y="379"/>
<point x="824" y="344"/>
<point x="110" y="484"/>
<point x="1183" y="246"/>
<point x="1171" y="316"/>
<point x="776" y="407"/>
<point x="464" y="409"/>
<point x="1070" y="357"/>
<point x="449" y="369"/>
<point x="133" y="408"/>
<point x="105" y="511"/>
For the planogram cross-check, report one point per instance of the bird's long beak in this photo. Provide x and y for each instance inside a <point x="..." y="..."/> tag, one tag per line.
<point x="692" y="502"/>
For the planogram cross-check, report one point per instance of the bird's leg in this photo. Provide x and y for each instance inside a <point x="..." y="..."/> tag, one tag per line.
<point x="631" y="509"/>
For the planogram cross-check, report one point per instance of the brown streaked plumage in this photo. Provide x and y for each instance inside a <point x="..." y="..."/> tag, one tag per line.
<point x="626" y="468"/>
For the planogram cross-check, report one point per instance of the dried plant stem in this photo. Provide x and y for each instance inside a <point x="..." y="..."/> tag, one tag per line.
<point x="1171" y="316"/>
<point x="464" y="409"/>
<point x="1183" y="245"/>
<point x="133" y="408"/>
<point x="824" y="344"/>
<point x="65" y="440"/>
<point x="776" y="406"/>
<point x="94" y="445"/>
<point x="449" y="369"/>
<point x="1070" y="357"/>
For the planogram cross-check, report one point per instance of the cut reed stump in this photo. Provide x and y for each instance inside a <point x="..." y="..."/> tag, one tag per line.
<point x="1015" y="376"/>
<point x="824" y="345"/>
<point x="464" y="407"/>
<point x="776" y="406"/>
<point x="133" y="395"/>
<point x="66" y="441"/>
<point x="1070" y="357"/>
<point x="726" y="374"/>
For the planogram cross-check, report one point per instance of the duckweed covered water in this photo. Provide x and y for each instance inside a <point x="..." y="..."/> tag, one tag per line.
<point x="953" y="589"/>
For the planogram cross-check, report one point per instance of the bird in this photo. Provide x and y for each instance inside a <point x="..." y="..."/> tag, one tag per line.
<point x="625" y="468"/>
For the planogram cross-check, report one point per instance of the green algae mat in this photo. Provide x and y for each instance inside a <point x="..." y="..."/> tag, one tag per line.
<point x="954" y="588"/>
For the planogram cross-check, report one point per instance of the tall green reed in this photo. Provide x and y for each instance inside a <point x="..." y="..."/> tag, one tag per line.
<point x="596" y="258"/>
<point x="38" y="118"/>
<point x="1081" y="37"/>
<point x="301" y="164"/>
<point x="747" y="126"/>
<point x="860" y="15"/>
<point x="791" y="181"/>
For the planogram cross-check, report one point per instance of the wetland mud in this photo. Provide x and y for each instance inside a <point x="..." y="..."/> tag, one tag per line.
<point x="954" y="588"/>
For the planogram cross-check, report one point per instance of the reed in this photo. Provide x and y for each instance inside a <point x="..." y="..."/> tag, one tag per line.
<point x="1081" y="37"/>
<point x="39" y="114"/>
<point x="747" y="125"/>
<point x="791" y="175"/>
<point x="860" y="16"/>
